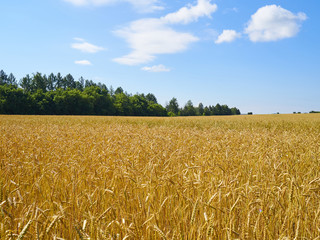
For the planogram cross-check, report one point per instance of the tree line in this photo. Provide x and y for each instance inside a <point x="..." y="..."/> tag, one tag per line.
<point x="189" y="110"/>
<point x="63" y="95"/>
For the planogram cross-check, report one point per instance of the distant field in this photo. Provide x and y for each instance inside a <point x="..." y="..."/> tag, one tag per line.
<point x="237" y="177"/>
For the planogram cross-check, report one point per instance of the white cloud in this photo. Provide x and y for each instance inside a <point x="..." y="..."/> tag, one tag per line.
<point x="149" y="37"/>
<point x="227" y="36"/>
<point x="272" y="23"/>
<point x="141" y="5"/>
<point x="83" y="62"/>
<point x="156" y="68"/>
<point x="152" y="36"/>
<point x="79" y="39"/>
<point x="191" y="13"/>
<point x="84" y="46"/>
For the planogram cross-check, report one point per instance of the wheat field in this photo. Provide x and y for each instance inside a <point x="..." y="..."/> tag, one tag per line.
<point x="237" y="177"/>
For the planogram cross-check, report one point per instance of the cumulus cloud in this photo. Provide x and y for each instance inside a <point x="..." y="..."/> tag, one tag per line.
<point x="141" y="5"/>
<point x="84" y="46"/>
<point x="152" y="36"/>
<point x="227" y="36"/>
<point x="191" y="13"/>
<point x="83" y="62"/>
<point x="156" y="68"/>
<point x="149" y="37"/>
<point x="272" y="23"/>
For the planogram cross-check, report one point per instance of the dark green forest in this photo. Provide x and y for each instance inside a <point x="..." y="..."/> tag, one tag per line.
<point x="40" y="94"/>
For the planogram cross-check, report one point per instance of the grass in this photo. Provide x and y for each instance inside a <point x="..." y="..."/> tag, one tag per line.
<point x="239" y="177"/>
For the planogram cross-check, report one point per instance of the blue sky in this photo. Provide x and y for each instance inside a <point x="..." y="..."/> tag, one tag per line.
<point x="260" y="56"/>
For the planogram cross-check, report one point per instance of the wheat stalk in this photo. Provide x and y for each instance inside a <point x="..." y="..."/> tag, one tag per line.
<point x="158" y="230"/>
<point x="24" y="230"/>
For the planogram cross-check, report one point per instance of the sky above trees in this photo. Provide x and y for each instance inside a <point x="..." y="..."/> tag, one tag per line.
<point x="261" y="56"/>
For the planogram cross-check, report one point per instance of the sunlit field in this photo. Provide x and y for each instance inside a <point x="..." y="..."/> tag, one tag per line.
<point x="237" y="177"/>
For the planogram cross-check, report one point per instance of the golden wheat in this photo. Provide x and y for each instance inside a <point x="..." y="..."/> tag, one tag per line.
<point x="239" y="177"/>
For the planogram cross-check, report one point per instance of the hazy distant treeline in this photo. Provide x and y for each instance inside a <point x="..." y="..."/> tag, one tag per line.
<point x="63" y="95"/>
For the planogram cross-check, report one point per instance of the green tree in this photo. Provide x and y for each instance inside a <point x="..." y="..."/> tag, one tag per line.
<point x="59" y="81"/>
<point x="139" y="105"/>
<point x="189" y="109"/>
<point x="51" y="82"/>
<point x="102" y="102"/>
<point x="80" y="84"/>
<point x="39" y="82"/>
<point x="3" y="77"/>
<point x="26" y="83"/>
<point x="102" y="86"/>
<point x="217" y="110"/>
<point x="43" y="102"/>
<point x="173" y="106"/>
<point x="69" y="82"/>
<point x="155" y="109"/>
<point x="225" y="110"/>
<point x="73" y="102"/>
<point x="235" y="111"/>
<point x="89" y="83"/>
<point x="122" y="105"/>
<point x="151" y="98"/>
<point x="119" y="90"/>
<point x="206" y="111"/>
<point x="40" y="94"/>
<point x="200" y="109"/>
<point x="11" y="80"/>
<point x="13" y="100"/>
